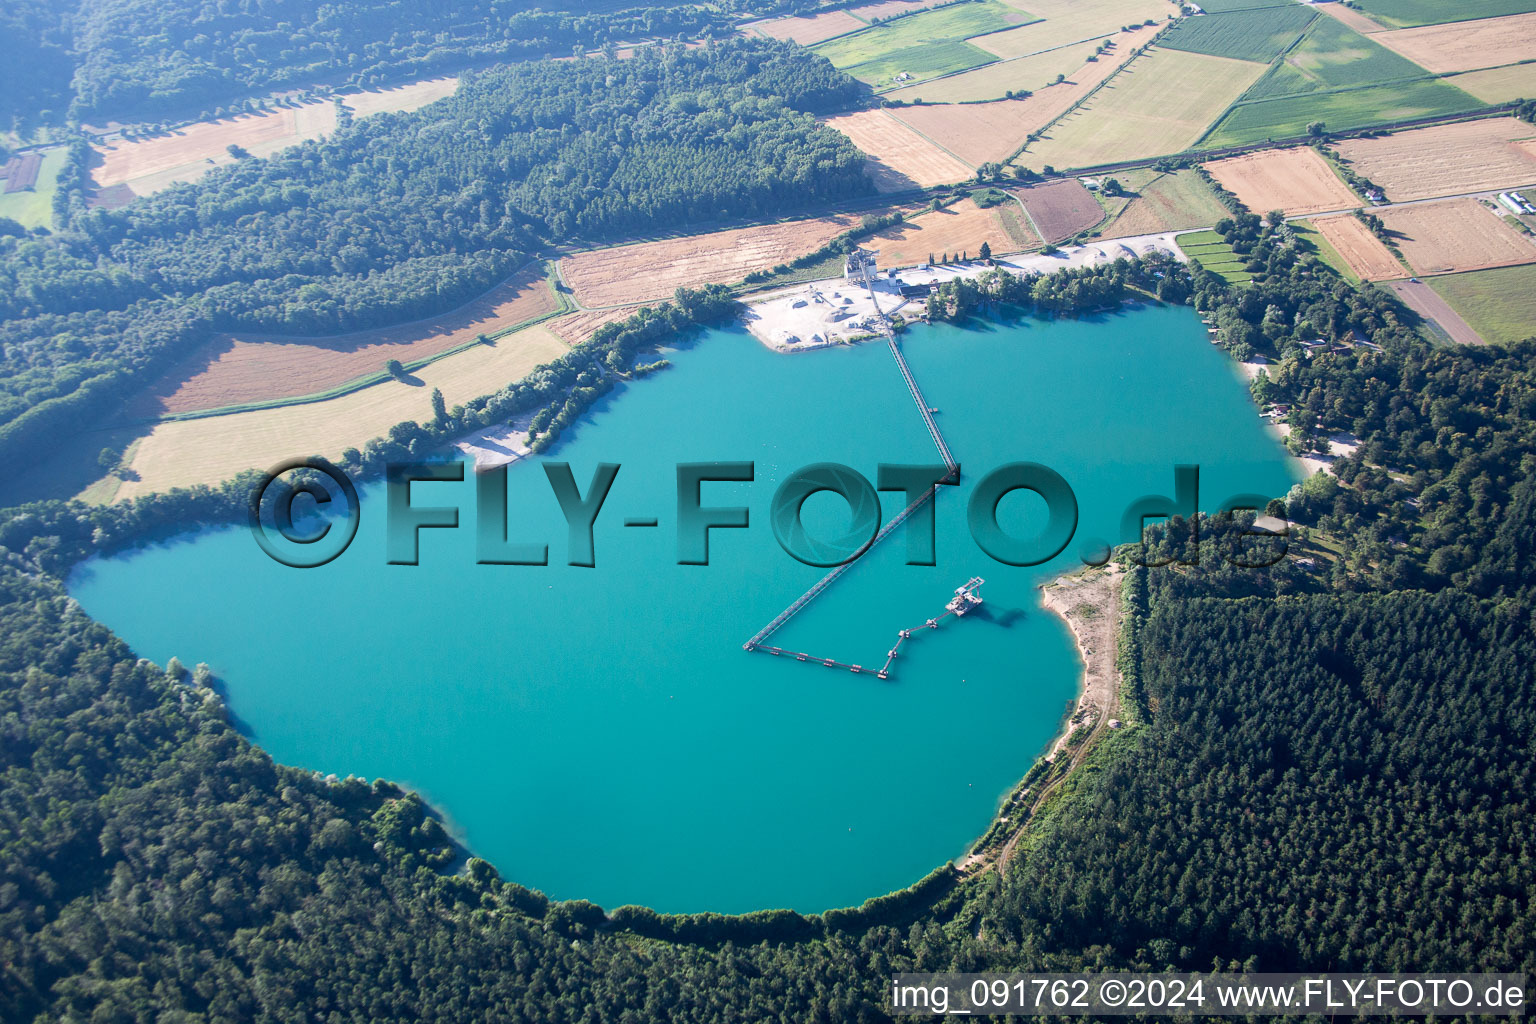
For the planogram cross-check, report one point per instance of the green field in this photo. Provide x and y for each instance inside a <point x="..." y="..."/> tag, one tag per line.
<point x="1261" y="35"/>
<point x="1209" y="250"/>
<point x="1353" y="108"/>
<point x="921" y="63"/>
<point x="1333" y="56"/>
<point x="1324" y="250"/>
<point x="879" y="44"/>
<point x="1407" y="13"/>
<point x="1499" y="304"/>
<point x="34" y="209"/>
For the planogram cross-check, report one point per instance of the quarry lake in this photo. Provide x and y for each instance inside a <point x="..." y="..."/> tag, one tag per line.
<point x="600" y="733"/>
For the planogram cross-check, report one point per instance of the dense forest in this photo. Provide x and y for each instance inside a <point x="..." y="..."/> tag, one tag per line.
<point x="136" y="60"/>
<point x="402" y="216"/>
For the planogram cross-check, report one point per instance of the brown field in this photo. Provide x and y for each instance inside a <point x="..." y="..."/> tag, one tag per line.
<point x="1061" y="209"/>
<point x="234" y="369"/>
<point x="1427" y="302"/>
<point x="1353" y="19"/>
<point x="1424" y="163"/>
<point x="993" y="131"/>
<point x="1166" y="202"/>
<point x="806" y="31"/>
<point x="899" y="158"/>
<point x="891" y="8"/>
<point x="187" y="153"/>
<point x="1071" y="21"/>
<point x="1466" y="45"/>
<point x="648" y="271"/>
<point x="959" y="228"/>
<point x="1359" y="248"/>
<point x="179" y="453"/>
<point x="1498" y="85"/>
<point x="1296" y="180"/>
<point x="576" y="328"/>
<point x="1456" y="235"/>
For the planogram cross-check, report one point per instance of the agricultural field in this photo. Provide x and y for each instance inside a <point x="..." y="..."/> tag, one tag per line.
<point x="1160" y="104"/>
<point x="994" y="131"/>
<point x="1288" y="117"/>
<point x="1498" y="85"/>
<point x="891" y="8"/>
<point x="1295" y="180"/>
<point x="1333" y="56"/>
<point x="1209" y="250"/>
<point x="957" y="228"/>
<point x="180" y="453"/>
<point x="1456" y="235"/>
<point x="575" y="328"/>
<point x="648" y="271"/>
<point x="147" y="165"/>
<point x="1164" y="202"/>
<point x="1410" y="13"/>
<point x="1437" y="313"/>
<point x="34" y="208"/>
<point x="1034" y="73"/>
<point x="241" y="368"/>
<point x="1500" y="305"/>
<point x="1424" y="163"/>
<point x="1353" y="18"/>
<point x="1361" y="251"/>
<point x="899" y="158"/>
<point x="1072" y="21"/>
<point x="806" y="31"/>
<point x="1324" y="250"/>
<point x="1060" y="209"/>
<point x="1260" y="35"/>
<point x="1466" y="45"/>
<point x="919" y="45"/>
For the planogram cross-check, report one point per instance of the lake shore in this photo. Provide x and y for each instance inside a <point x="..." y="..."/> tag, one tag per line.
<point x="1089" y="603"/>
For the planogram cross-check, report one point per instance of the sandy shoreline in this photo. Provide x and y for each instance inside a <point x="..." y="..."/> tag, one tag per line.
<point x="500" y="445"/>
<point x="1089" y="603"/>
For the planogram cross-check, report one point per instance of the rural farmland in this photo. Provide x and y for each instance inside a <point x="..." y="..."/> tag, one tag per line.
<point x="1259" y="35"/>
<point x="1499" y="304"/>
<point x="1072" y="21"/>
<point x="1466" y="45"/>
<point x="1161" y="103"/>
<point x="649" y="271"/>
<point x="180" y="453"/>
<point x="239" y="368"/>
<point x="1174" y="201"/>
<point x="1444" y="160"/>
<point x="899" y="158"/>
<point x="807" y="30"/>
<point x="921" y="46"/>
<point x="959" y="228"/>
<point x="1296" y="180"/>
<point x="1456" y="235"/>
<point x="1362" y="251"/>
<point x="1061" y="209"/>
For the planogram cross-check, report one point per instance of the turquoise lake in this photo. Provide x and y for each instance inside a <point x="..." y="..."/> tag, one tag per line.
<point x="599" y="733"/>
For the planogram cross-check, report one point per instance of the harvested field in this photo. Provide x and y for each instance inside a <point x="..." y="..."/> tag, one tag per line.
<point x="1072" y="21"/>
<point x="1472" y="156"/>
<point x="1351" y="18"/>
<point x="806" y="31"/>
<point x="1428" y="303"/>
<point x="1456" y="235"/>
<point x="179" y="453"/>
<point x="1160" y="104"/>
<point x="1500" y="305"/>
<point x="1498" y="85"/>
<point x="1361" y="250"/>
<point x="1466" y="45"/>
<point x="1408" y="13"/>
<point x="20" y="172"/>
<point x="956" y="229"/>
<point x="186" y="154"/>
<point x="575" y="328"/>
<point x="234" y="369"/>
<point x="1298" y="181"/>
<point x="1167" y="202"/>
<point x="1061" y="209"/>
<point x="891" y="8"/>
<point x="648" y="271"/>
<point x="1034" y="74"/>
<point x="899" y="158"/>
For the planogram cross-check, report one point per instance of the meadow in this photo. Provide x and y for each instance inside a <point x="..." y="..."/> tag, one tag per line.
<point x="1260" y="35"/>
<point x="920" y="63"/>
<point x="881" y="43"/>
<point x="1288" y="117"/>
<point x="1332" y="56"/>
<point x="1165" y="202"/>
<point x="1324" y="250"/>
<point x="1499" y="304"/>
<point x="1208" y="249"/>
<point x="34" y="209"/>
<point x="1409" y="13"/>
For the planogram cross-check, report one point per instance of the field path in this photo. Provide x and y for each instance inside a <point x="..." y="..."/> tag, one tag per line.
<point x="1425" y="301"/>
